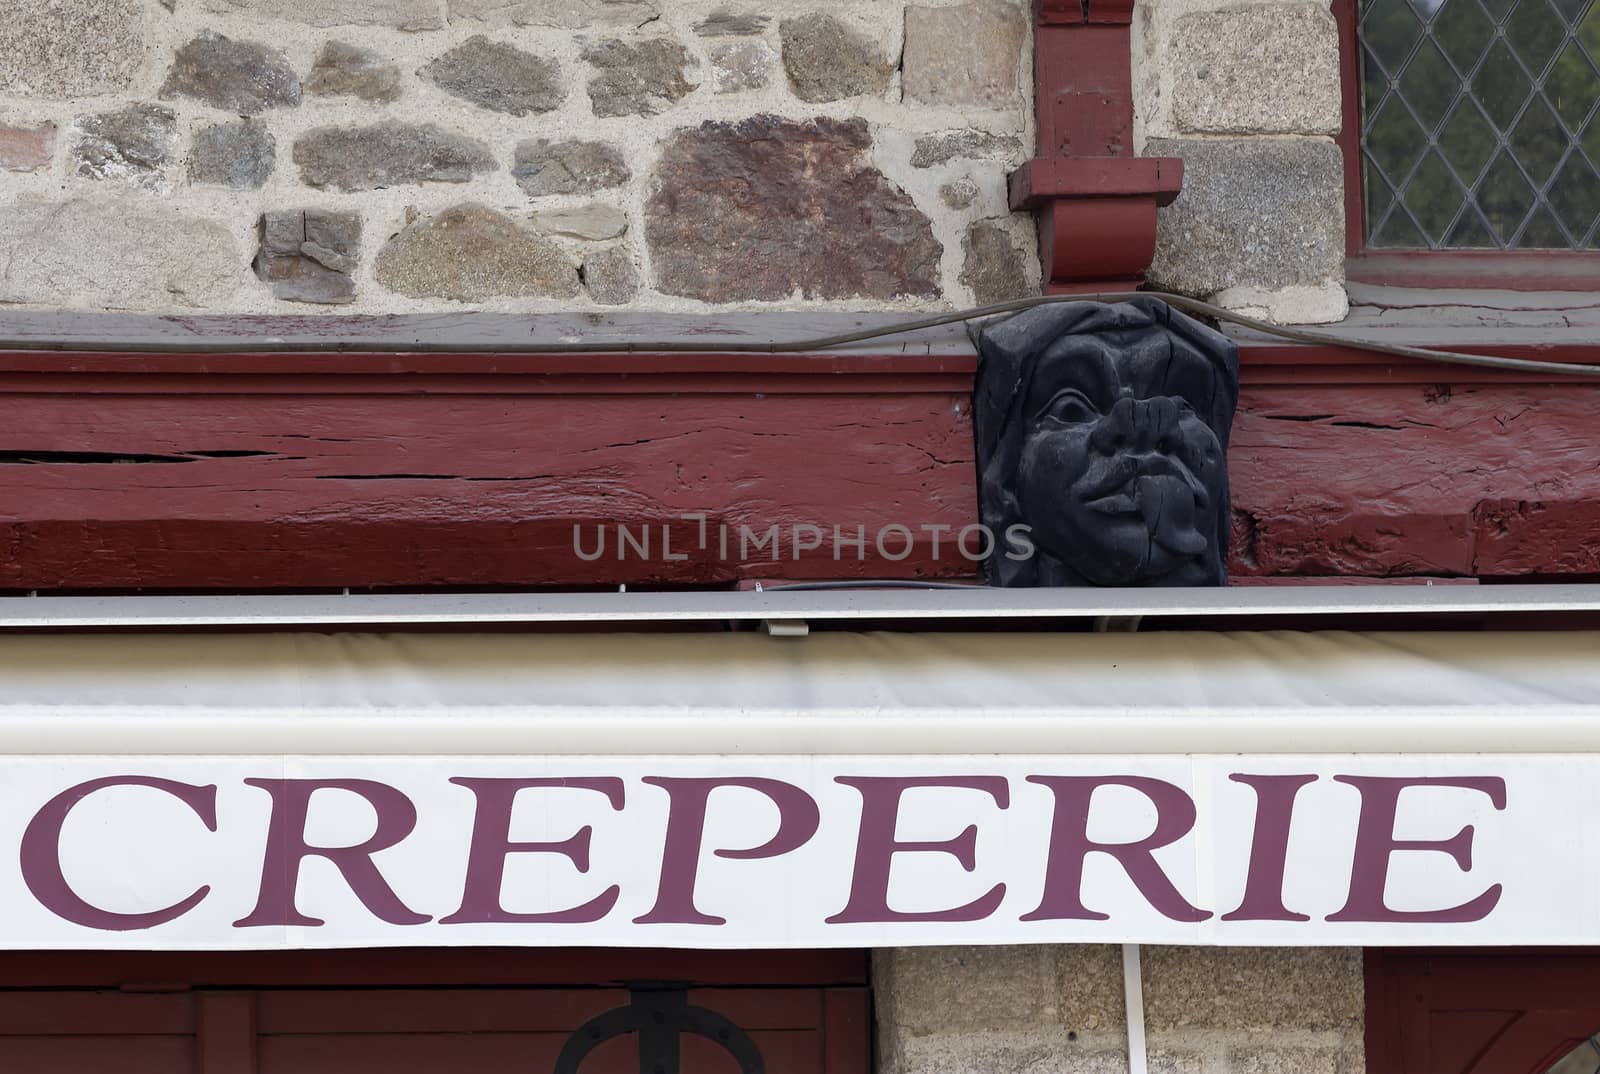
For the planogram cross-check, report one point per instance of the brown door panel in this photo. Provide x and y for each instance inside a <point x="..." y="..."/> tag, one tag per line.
<point x="1478" y="1012"/>
<point x="411" y="1030"/>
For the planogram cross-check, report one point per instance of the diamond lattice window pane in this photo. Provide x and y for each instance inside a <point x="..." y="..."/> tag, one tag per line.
<point x="1379" y="194"/>
<point x="1430" y="84"/>
<point x="1536" y="32"/>
<point x="1539" y="141"/>
<point x="1394" y="141"/>
<point x="1505" y="197"/>
<point x="1390" y="29"/>
<point x="1589" y="140"/>
<point x="1471" y="233"/>
<point x="1374" y="83"/>
<point x="1571" y="9"/>
<point x="1464" y="32"/>
<point x="1433" y="197"/>
<point x="1572" y="86"/>
<point x="1398" y="231"/>
<point x="1480" y="123"/>
<point x="1542" y="232"/>
<point x="1468" y="141"/>
<point x="1589" y="31"/>
<point x="1500" y="86"/>
<point x="1575" y="195"/>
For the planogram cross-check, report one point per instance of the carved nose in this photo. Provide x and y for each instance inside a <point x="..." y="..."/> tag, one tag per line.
<point x="1139" y="426"/>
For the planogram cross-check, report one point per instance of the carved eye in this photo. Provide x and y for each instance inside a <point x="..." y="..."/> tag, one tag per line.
<point x="1070" y="406"/>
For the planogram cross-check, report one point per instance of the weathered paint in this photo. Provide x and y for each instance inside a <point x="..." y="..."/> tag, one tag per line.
<point x="1417" y="479"/>
<point x="1341" y="464"/>
<point x="402" y="480"/>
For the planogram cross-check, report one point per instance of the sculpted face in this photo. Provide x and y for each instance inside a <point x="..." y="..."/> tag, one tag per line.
<point x="1104" y="430"/>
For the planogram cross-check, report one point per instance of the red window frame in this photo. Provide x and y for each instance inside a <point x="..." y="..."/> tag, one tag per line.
<point x="1514" y="270"/>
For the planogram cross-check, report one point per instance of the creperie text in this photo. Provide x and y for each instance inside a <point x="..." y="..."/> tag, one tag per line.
<point x="878" y="805"/>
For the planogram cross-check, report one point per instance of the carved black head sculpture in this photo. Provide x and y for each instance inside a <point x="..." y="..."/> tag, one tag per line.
<point x="1104" y="430"/>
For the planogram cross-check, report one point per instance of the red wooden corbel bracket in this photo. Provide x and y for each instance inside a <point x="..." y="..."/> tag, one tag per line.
<point x="1095" y="200"/>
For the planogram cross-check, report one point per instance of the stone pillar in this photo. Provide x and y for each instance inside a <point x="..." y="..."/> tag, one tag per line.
<point x="1048" y="1009"/>
<point x="1249" y="98"/>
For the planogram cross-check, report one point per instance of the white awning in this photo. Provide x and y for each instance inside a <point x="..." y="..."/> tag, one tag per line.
<point x="829" y="693"/>
<point x="727" y="790"/>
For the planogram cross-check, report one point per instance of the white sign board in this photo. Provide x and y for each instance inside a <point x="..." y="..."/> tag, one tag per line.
<point x="767" y="852"/>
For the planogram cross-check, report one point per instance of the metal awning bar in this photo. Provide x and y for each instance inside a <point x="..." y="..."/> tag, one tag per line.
<point x="976" y="603"/>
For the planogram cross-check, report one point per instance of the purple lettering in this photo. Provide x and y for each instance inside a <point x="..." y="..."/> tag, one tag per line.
<point x="287" y="848"/>
<point x="1070" y="845"/>
<point x="876" y="847"/>
<point x="798" y="818"/>
<point x="492" y="844"/>
<point x="41" y="854"/>
<point x="1269" y="848"/>
<point x="1375" y="843"/>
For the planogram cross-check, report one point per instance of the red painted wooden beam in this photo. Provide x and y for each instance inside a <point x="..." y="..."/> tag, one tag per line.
<point x="427" y="470"/>
<point x="1095" y="201"/>
<point x="422" y="470"/>
<point x="1097" y="221"/>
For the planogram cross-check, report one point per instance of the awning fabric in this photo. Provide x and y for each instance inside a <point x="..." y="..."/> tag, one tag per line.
<point x="829" y="693"/>
<point x="716" y="790"/>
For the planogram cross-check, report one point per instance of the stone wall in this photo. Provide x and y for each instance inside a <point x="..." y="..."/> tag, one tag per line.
<point x="412" y="155"/>
<point x="1248" y="95"/>
<point x="1059" y="1010"/>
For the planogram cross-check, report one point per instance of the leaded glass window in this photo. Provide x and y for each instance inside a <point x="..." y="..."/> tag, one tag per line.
<point x="1478" y="123"/>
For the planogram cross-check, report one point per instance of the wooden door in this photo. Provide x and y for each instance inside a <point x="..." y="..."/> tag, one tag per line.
<point x="434" y="1018"/>
<point x="501" y="1031"/>
<point x="1474" y="1012"/>
<point x="93" y="1032"/>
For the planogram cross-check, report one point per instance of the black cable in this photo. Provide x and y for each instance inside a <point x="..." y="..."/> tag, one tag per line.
<point x="819" y="343"/>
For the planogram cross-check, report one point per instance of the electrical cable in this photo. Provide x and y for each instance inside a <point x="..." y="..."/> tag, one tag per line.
<point x="818" y="343"/>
